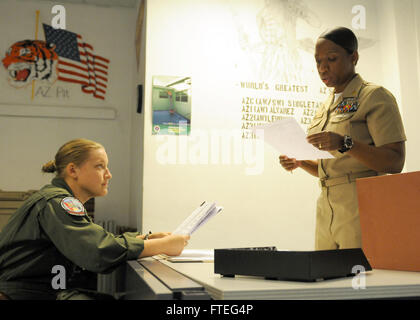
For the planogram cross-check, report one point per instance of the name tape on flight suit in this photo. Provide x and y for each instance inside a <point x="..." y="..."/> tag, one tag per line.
<point x="73" y="206"/>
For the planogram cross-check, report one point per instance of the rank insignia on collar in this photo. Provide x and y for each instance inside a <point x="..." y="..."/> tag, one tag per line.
<point x="73" y="206"/>
<point x="347" y="105"/>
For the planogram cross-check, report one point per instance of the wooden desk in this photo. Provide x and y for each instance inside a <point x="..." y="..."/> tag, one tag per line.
<point x="378" y="284"/>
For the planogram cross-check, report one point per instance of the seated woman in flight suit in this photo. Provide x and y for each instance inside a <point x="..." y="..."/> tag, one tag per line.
<point x="52" y="229"/>
<point x="360" y="125"/>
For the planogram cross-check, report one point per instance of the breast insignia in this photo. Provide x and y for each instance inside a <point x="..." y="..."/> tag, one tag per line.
<point x="348" y="105"/>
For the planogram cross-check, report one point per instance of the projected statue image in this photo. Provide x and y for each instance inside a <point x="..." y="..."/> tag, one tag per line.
<point x="276" y="50"/>
<point x="277" y="55"/>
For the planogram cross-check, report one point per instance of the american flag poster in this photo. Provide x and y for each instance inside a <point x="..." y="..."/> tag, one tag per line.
<point x="78" y="62"/>
<point x="64" y="56"/>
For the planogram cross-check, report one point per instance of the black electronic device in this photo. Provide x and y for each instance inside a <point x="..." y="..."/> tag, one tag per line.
<point x="270" y="263"/>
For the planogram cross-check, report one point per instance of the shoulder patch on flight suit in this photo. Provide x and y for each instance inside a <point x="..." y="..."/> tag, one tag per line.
<point x="73" y="206"/>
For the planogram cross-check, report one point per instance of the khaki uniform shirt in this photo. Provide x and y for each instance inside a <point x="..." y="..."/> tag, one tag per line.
<point x="374" y="120"/>
<point x="42" y="234"/>
<point x="369" y="114"/>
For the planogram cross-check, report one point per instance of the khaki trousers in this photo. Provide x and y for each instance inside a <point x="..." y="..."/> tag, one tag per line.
<point x="337" y="218"/>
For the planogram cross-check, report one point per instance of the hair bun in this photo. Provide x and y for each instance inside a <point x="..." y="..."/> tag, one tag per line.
<point x="49" y="167"/>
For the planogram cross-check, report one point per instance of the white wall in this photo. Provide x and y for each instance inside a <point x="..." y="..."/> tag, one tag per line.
<point x="265" y="209"/>
<point x="407" y="15"/>
<point x="272" y="207"/>
<point x="137" y="141"/>
<point x="27" y="143"/>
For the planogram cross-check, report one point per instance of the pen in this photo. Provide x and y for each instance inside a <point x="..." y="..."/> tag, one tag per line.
<point x="147" y="235"/>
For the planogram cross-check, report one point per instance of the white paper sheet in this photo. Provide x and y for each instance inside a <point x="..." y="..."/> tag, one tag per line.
<point x="192" y="255"/>
<point x="198" y="218"/>
<point x="288" y="137"/>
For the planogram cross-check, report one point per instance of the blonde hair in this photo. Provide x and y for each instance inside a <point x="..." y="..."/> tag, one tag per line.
<point x="76" y="151"/>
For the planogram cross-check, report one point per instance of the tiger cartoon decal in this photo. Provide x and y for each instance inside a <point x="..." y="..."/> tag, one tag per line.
<point x="29" y="60"/>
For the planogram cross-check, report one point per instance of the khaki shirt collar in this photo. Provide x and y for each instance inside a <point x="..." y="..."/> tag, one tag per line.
<point x="59" y="182"/>
<point x="351" y="90"/>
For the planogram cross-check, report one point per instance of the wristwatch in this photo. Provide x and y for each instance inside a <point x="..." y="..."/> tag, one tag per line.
<point x="347" y="144"/>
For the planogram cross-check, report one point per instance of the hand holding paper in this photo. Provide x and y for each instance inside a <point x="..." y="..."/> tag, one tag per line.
<point x="287" y="137"/>
<point x="330" y="141"/>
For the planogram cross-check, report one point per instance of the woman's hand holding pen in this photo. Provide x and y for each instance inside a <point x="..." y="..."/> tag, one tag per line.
<point x="169" y="244"/>
<point x="174" y="244"/>
<point x="158" y="235"/>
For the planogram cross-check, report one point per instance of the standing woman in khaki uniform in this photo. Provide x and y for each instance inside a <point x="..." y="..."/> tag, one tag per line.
<point x="360" y="125"/>
<point x="53" y="229"/>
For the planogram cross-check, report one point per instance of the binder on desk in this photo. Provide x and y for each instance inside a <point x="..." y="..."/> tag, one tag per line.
<point x="191" y="255"/>
<point x="389" y="209"/>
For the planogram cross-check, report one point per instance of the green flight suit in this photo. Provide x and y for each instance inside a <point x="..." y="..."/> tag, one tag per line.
<point x="42" y="234"/>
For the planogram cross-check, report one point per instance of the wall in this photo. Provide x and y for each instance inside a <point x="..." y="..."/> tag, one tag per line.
<point x="224" y="43"/>
<point x="155" y="195"/>
<point x="26" y="143"/>
<point x="137" y="135"/>
<point x="263" y="204"/>
<point x="407" y="14"/>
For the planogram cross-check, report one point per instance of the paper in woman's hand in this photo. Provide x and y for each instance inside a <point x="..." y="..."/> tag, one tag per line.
<point x="198" y="218"/>
<point x="288" y="138"/>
